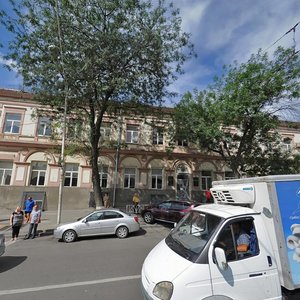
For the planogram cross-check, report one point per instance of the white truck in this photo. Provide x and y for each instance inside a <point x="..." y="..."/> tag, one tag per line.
<point x="244" y="246"/>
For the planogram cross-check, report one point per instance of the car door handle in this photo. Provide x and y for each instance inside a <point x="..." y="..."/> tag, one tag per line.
<point x="255" y="274"/>
<point x="269" y="261"/>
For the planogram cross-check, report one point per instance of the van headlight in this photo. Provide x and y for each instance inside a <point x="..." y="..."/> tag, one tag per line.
<point x="163" y="290"/>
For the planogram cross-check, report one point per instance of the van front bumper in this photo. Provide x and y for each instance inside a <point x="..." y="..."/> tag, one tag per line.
<point x="145" y="294"/>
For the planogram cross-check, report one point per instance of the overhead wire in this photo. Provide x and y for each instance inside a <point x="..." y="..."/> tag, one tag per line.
<point x="290" y="30"/>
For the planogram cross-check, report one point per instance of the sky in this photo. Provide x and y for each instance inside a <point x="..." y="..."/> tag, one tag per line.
<point x="222" y="31"/>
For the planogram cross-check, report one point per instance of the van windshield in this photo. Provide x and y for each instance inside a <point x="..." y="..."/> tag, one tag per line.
<point x="190" y="236"/>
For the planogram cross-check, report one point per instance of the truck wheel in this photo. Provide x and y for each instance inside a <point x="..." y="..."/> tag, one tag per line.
<point x="122" y="232"/>
<point x="148" y="218"/>
<point x="69" y="236"/>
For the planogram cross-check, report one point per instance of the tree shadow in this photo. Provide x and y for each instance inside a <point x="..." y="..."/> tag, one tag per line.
<point x="10" y="262"/>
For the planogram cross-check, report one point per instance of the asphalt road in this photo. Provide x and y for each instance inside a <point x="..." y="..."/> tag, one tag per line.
<point x="105" y="268"/>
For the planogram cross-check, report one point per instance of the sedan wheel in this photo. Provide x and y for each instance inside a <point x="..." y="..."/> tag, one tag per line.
<point x="122" y="232"/>
<point x="148" y="218"/>
<point x="69" y="236"/>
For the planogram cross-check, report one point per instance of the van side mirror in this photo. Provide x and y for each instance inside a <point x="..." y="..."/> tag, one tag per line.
<point x="221" y="258"/>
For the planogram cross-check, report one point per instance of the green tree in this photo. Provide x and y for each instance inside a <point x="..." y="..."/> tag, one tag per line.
<point x="103" y="55"/>
<point x="237" y="117"/>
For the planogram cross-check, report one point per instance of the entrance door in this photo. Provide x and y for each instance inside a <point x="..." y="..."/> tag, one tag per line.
<point x="251" y="273"/>
<point x="183" y="186"/>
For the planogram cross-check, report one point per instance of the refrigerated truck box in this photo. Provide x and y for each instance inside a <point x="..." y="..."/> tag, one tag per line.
<point x="190" y="264"/>
<point x="278" y="199"/>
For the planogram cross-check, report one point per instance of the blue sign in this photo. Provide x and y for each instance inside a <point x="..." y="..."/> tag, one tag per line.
<point x="288" y="194"/>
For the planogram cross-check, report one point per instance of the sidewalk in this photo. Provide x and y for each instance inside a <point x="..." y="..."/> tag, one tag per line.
<point x="48" y="222"/>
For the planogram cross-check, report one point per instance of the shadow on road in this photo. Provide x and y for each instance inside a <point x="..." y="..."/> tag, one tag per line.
<point x="10" y="262"/>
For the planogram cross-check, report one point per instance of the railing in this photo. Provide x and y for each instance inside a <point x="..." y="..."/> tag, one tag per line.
<point x="130" y="208"/>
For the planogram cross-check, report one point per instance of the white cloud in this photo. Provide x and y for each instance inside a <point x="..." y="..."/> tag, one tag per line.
<point x="224" y="31"/>
<point x="7" y="62"/>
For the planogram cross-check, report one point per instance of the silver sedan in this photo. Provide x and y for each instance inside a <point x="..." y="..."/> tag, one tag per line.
<point x="99" y="222"/>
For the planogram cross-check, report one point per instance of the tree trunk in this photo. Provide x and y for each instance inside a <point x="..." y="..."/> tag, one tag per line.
<point x="95" y="176"/>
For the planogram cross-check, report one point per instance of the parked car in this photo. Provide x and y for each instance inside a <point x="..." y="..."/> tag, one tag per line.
<point x="99" y="222"/>
<point x="2" y="244"/>
<point x="168" y="211"/>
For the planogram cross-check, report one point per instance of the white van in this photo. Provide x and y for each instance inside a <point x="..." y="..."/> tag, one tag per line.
<point x="244" y="246"/>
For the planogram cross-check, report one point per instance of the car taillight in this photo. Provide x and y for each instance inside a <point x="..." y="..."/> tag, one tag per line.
<point x="136" y="219"/>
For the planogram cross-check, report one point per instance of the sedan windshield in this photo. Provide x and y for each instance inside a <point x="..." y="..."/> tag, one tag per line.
<point x="192" y="233"/>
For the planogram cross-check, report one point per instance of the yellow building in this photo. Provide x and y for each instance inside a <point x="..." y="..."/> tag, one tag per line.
<point x="29" y="160"/>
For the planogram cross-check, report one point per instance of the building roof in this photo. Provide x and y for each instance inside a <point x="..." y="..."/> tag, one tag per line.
<point x="7" y="93"/>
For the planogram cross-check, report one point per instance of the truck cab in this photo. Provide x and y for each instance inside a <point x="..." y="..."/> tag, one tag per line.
<point x="237" y="248"/>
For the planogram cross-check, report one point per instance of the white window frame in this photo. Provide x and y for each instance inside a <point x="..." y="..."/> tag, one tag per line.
<point x="156" y="177"/>
<point x="71" y="174"/>
<point x="44" y="125"/>
<point x="74" y="129"/>
<point x="157" y="136"/>
<point x="5" y="171"/>
<point x="286" y="144"/>
<point x="182" y="143"/>
<point x="41" y="173"/>
<point x="206" y="180"/>
<point x="103" y="174"/>
<point x="132" y="134"/>
<point x="12" y="123"/>
<point x="105" y="130"/>
<point x="129" y="176"/>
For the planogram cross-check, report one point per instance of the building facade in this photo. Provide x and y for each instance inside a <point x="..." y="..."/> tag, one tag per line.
<point x="135" y="157"/>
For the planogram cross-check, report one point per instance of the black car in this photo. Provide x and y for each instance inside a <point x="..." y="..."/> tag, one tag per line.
<point x="168" y="211"/>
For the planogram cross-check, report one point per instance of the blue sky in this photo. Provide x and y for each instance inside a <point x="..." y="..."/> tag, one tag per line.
<point x="222" y="31"/>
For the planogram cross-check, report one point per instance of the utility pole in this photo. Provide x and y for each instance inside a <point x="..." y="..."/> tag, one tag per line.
<point x="63" y="140"/>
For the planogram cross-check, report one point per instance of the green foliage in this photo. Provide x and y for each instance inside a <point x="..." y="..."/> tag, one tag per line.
<point x="237" y="116"/>
<point x="102" y="56"/>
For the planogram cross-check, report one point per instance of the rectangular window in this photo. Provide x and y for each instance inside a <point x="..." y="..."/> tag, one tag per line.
<point x="132" y="134"/>
<point x="156" y="179"/>
<point x="74" y="128"/>
<point x="286" y="144"/>
<point x="103" y="174"/>
<point x="181" y="142"/>
<point x="196" y="181"/>
<point x="44" y="126"/>
<point x="158" y="136"/>
<point x="206" y="180"/>
<point x="105" y="130"/>
<point x="229" y="175"/>
<point x="71" y="175"/>
<point x="38" y="173"/>
<point x="129" y="178"/>
<point x="12" y="123"/>
<point x="239" y="239"/>
<point x="5" y="172"/>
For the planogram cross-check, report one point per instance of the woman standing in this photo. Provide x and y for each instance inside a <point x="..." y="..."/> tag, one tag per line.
<point x="16" y="221"/>
<point x="35" y="219"/>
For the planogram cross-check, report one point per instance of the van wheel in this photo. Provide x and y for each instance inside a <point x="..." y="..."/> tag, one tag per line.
<point x="148" y="218"/>
<point x="69" y="236"/>
<point x="122" y="232"/>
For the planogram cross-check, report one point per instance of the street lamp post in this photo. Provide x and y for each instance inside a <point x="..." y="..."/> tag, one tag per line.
<point x="63" y="141"/>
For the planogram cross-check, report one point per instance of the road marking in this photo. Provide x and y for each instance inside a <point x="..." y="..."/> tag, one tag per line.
<point x="67" y="285"/>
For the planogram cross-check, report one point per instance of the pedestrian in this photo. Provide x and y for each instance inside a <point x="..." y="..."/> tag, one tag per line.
<point x="106" y="200"/>
<point x="16" y="221"/>
<point x="136" y="202"/>
<point x="208" y="196"/>
<point x="29" y="203"/>
<point x="35" y="219"/>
